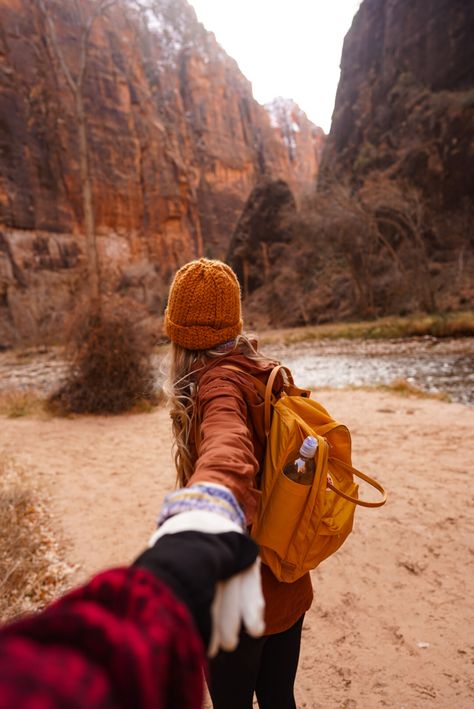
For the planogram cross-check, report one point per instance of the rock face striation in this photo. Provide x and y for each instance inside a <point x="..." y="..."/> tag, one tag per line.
<point x="303" y="140"/>
<point x="405" y="100"/>
<point x="175" y="145"/>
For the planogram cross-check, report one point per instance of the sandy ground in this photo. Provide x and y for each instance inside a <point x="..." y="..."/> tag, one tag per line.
<point x="393" y="619"/>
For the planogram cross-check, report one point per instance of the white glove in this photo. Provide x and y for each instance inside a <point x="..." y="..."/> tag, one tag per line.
<point x="239" y="599"/>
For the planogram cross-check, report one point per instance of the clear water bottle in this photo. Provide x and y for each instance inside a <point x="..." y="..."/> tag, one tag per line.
<point x="303" y="468"/>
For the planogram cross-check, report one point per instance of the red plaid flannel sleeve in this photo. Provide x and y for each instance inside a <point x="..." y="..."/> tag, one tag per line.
<point x="122" y="640"/>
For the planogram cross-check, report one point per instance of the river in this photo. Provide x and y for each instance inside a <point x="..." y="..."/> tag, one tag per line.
<point x="432" y="365"/>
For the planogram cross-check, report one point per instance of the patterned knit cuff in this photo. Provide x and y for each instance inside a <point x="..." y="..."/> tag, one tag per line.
<point x="210" y="498"/>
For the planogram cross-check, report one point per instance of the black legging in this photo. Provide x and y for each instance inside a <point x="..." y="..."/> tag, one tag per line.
<point x="266" y="666"/>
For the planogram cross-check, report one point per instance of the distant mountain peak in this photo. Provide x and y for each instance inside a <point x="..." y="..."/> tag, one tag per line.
<point x="289" y="120"/>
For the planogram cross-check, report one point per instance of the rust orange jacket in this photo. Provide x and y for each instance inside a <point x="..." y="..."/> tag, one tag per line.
<point x="230" y="451"/>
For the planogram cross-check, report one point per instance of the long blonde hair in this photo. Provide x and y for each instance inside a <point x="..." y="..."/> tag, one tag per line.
<point x="180" y="387"/>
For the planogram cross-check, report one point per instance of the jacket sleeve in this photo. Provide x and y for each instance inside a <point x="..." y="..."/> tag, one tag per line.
<point x="225" y="446"/>
<point x="121" y="641"/>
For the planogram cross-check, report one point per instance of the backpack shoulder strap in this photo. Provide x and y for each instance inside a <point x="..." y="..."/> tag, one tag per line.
<point x="269" y="393"/>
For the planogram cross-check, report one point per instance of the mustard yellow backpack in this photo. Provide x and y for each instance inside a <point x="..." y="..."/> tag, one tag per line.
<point x="298" y="526"/>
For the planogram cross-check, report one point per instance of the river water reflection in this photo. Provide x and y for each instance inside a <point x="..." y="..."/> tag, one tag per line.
<point x="432" y="365"/>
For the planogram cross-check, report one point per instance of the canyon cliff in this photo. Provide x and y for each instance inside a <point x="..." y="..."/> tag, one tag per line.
<point x="175" y="145"/>
<point x="389" y="229"/>
<point x="405" y="99"/>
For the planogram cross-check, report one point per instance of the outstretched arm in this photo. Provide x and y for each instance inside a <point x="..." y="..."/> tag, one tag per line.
<point x="122" y="640"/>
<point x="131" y="638"/>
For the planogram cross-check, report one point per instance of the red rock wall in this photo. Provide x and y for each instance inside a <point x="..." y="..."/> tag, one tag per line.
<point x="176" y="144"/>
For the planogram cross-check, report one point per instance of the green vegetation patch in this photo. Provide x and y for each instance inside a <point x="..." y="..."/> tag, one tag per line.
<point x="459" y="324"/>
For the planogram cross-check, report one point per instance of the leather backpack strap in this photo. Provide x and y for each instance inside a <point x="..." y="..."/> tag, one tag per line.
<point x="269" y="396"/>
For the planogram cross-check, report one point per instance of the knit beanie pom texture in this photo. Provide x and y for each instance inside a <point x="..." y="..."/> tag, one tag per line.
<point x="203" y="305"/>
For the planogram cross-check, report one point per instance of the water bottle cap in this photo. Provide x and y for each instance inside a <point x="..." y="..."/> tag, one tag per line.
<point x="308" y="447"/>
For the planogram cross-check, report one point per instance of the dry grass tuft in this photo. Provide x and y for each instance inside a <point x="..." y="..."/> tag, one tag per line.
<point x="31" y="572"/>
<point x="16" y="404"/>
<point x="406" y="388"/>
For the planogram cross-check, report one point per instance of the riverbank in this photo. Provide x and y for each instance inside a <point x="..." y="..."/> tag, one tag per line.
<point x="392" y="617"/>
<point x="436" y="325"/>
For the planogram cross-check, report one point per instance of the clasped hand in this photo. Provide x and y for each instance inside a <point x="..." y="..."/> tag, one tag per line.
<point x="213" y="567"/>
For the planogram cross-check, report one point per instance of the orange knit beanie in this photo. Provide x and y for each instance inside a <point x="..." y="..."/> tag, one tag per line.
<point x="203" y="305"/>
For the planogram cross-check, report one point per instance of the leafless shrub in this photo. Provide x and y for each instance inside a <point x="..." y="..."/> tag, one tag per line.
<point x="110" y="361"/>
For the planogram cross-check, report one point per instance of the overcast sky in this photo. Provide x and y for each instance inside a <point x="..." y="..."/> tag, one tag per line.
<point x="285" y="48"/>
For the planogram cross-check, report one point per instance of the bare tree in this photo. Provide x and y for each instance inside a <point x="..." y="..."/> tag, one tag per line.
<point x="74" y="77"/>
<point x="373" y="245"/>
<point x="401" y="212"/>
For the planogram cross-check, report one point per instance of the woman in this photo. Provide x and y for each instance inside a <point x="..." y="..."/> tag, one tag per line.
<point x="218" y="427"/>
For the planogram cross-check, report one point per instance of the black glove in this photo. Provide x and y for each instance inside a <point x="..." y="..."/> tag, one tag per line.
<point x="192" y="563"/>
